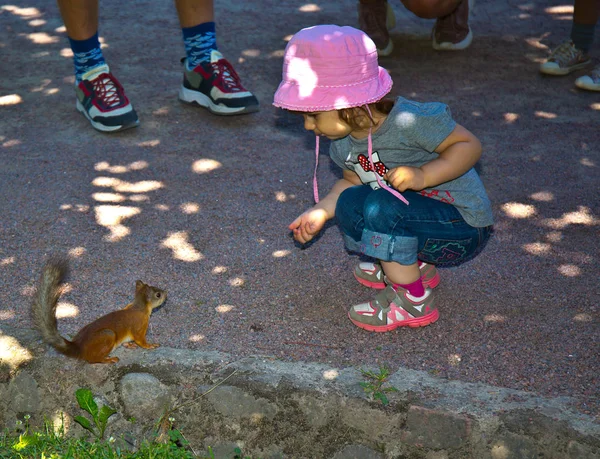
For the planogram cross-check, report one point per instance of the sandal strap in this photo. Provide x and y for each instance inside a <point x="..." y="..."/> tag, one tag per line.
<point x="389" y="296"/>
<point x="404" y="303"/>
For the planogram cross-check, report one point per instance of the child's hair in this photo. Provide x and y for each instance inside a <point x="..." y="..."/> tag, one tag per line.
<point x="360" y="118"/>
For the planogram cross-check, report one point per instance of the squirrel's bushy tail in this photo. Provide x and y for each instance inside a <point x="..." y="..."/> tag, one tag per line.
<point x="44" y="303"/>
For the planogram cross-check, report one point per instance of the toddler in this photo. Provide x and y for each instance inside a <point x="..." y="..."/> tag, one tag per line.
<point x="409" y="196"/>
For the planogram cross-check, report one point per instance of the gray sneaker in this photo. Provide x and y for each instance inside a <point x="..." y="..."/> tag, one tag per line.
<point x="566" y="58"/>
<point x="102" y="100"/>
<point x="376" y="19"/>
<point x="590" y="82"/>
<point x="391" y="309"/>
<point x="452" y="32"/>
<point x="216" y="86"/>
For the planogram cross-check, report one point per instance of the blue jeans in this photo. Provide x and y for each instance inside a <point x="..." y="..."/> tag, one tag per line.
<point x="377" y="224"/>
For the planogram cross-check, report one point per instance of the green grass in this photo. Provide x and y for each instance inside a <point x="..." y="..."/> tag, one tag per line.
<point x="23" y="442"/>
<point x="48" y="444"/>
<point x="26" y="443"/>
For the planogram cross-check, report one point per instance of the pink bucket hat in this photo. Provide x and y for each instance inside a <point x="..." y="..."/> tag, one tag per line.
<point x="328" y="67"/>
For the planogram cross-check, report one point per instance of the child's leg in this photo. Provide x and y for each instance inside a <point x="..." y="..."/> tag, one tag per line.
<point x="407" y="277"/>
<point x="349" y="215"/>
<point x="371" y="275"/>
<point x="401" y="274"/>
<point x="397" y="234"/>
<point x="350" y="219"/>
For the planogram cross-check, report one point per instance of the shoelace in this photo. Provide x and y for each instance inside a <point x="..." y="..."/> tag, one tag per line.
<point x="229" y="76"/>
<point x="370" y="153"/>
<point x="564" y="53"/>
<point x="107" y="88"/>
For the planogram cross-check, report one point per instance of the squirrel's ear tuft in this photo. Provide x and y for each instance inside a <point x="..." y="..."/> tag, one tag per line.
<point x="138" y="285"/>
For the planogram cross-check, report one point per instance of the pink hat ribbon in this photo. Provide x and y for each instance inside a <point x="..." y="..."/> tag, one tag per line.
<point x="370" y="153"/>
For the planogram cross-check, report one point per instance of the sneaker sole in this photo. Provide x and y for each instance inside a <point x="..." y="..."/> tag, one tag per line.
<point x="587" y="83"/>
<point x="557" y="71"/>
<point x="191" y="97"/>
<point x="448" y="46"/>
<point x="431" y="283"/>
<point x="387" y="50"/>
<point x="103" y="128"/>
<point x="412" y="323"/>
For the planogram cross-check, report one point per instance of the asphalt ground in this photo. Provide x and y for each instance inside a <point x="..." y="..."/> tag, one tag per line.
<point x="199" y="204"/>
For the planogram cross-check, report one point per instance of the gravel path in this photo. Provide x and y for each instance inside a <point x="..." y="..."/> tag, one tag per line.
<point x="199" y="204"/>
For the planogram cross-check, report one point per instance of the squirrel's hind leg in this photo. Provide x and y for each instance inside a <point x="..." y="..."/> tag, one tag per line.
<point x="98" y="345"/>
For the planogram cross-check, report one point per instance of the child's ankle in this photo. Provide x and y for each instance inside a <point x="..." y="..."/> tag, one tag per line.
<point x="415" y="288"/>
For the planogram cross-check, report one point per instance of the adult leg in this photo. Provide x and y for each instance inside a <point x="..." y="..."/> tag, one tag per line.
<point x="194" y="12"/>
<point x="81" y="21"/>
<point x="451" y="31"/>
<point x="376" y="18"/>
<point x="431" y="9"/>
<point x="209" y="79"/>
<point x="80" y="17"/>
<point x="572" y="55"/>
<point x="100" y="97"/>
<point x="587" y="13"/>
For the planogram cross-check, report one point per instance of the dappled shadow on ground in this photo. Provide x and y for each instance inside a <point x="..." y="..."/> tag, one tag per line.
<point x="200" y="205"/>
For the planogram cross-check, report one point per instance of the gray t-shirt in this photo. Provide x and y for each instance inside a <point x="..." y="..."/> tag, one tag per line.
<point x="408" y="137"/>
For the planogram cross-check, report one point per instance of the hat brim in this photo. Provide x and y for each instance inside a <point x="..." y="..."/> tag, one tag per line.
<point x="321" y="98"/>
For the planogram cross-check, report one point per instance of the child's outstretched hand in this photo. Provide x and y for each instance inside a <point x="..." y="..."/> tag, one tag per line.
<point x="404" y="178"/>
<point x="307" y="225"/>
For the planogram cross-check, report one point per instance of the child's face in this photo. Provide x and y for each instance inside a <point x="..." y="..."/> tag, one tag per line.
<point x="327" y="124"/>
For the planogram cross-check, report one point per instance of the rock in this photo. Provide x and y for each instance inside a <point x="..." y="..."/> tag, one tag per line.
<point x="23" y="394"/>
<point x="144" y="396"/>
<point x="357" y="452"/>
<point x="232" y="401"/>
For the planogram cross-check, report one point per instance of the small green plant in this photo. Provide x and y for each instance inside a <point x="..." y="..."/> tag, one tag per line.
<point x="99" y="416"/>
<point x="374" y="384"/>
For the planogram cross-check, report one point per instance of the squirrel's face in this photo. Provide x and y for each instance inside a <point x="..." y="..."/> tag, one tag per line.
<point x="154" y="296"/>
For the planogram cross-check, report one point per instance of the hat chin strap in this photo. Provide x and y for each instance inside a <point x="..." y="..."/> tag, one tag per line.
<point x="370" y="153"/>
<point x="315" y="186"/>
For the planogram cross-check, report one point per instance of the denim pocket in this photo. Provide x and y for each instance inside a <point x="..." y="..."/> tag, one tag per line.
<point x="444" y="252"/>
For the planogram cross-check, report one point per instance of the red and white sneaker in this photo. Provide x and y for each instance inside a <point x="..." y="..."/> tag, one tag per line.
<point x="102" y="100"/>
<point x="395" y="308"/>
<point x="371" y="275"/>
<point x="217" y="87"/>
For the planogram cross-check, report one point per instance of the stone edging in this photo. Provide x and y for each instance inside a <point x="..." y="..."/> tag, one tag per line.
<point x="276" y="409"/>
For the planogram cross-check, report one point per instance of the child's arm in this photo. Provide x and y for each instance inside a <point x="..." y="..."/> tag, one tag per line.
<point x="307" y="225"/>
<point x="457" y="154"/>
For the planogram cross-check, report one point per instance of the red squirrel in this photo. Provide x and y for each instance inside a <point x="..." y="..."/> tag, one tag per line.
<point x="94" y="342"/>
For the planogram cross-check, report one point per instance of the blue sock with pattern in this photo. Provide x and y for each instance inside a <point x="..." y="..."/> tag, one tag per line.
<point x="199" y="41"/>
<point x="86" y="55"/>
